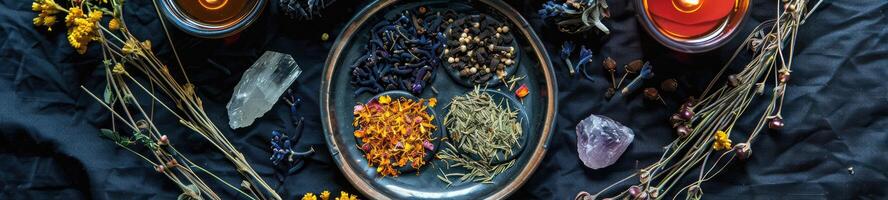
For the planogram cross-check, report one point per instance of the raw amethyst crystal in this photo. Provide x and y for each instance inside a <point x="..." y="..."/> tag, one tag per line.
<point x="601" y="141"/>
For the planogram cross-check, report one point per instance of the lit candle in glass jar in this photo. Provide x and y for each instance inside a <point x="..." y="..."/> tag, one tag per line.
<point x="214" y="11"/>
<point x="692" y="25"/>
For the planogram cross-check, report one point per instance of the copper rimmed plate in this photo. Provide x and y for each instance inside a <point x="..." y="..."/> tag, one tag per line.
<point x="337" y="102"/>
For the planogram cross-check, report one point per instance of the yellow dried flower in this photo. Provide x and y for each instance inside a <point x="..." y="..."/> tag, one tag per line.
<point x="118" y="69"/>
<point x="47" y="9"/>
<point x="721" y="141"/>
<point x="309" y="196"/>
<point x="131" y="46"/>
<point x="114" y="24"/>
<point x="73" y="13"/>
<point x="385" y="99"/>
<point x="325" y="195"/>
<point x="345" y="196"/>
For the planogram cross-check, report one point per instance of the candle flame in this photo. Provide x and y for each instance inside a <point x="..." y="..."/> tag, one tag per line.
<point x="212" y="4"/>
<point x="687" y="6"/>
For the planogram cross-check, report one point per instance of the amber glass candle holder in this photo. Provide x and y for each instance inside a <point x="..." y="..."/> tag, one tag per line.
<point x="211" y="18"/>
<point x="692" y="26"/>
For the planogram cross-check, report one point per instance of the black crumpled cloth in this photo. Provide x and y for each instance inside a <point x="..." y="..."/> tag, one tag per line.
<point x="833" y="147"/>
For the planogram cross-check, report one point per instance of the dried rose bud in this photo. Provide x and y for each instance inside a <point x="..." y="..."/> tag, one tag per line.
<point x="635" y="191"/>
<point x="683" y="131"/>
<point x="733" y="80"/>
<point x="686" y="114"/>
<point x="428" y="145"/>
<point x="365" y="147"/>
<point x="669" y="85"/>
<point x="783" y="78"/>
<point x="634" y="66"/>
<point x="172" y="163"/>
<point x="164" y="140"/>
<point x="676" y="120"/>
<point x="651" y="94"/>
<point x="159" y="168"/>
<point x="743" y="150"/>
<point x="610" y="64"/>
<point x="776" y="123"/>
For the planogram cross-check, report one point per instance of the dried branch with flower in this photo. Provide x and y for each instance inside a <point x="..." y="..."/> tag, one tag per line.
<point x="124" y="54"/>
<point x="705" y="126"/>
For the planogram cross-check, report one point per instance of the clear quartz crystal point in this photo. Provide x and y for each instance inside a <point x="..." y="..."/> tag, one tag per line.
<point x="260" y="87"/>
<point x="601" y="141"/>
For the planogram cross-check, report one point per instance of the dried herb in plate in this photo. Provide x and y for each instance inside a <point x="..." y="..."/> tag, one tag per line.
<point x="402" y="53"/>
<point x="394" y="133"/>
<point x="485" y="137"/>
<point x="480" y="49"/>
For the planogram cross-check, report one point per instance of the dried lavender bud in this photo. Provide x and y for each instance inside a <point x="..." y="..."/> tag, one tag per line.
<point x="733" y="80"/>
<point x="776" y="123"/>
<point x="669" y="85"/>
<point x="609" y="64"/>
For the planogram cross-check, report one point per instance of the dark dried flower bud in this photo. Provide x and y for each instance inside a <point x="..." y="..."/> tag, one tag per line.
<point x="783" y="78"/>
<point x="172" y="163"/>
<point x="733" y="80"/>
<point x="669" y="85"/>
<point x="743" y="150"/>
<point x="609" y="64"/>
<point x="683" y="131"/>
<point x="422" y="10"/>
<point x="776" y="123"/>
<point x="686" y="114"/>
<point x="159" y="168"/>
<point x="634" y="66"/>
<point x="676" y="120"/>
<point x="635" y="191"/>
<point x="651" y="94"/>
<point x="653" y="192"/>
<point x="584" y="196"/>
<point x="610" y="93"/>
<point x="164" y="140"/>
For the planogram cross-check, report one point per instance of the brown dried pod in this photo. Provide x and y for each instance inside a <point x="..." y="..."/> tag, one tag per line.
<point x="776" y="123"/>
<point x="783" y="78"/>
<point x="669" y="85"/>
<point x="733" y="80"/>
<point x="609" y="64"/>
<point x="743" y="150"/>
<point x="634" y="66"/>
<point x="651" y="94"/>
<point x="683" y="131"/>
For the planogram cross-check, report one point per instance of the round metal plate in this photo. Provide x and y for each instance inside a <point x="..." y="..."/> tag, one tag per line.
<point x="337" y="103"/>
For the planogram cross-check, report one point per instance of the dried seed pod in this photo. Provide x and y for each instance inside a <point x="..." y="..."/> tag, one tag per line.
<point x="669" y="85"/>
<point x="651" y="94"/>
<point x="776" y="123"/>
<point x="733" y="80"/>
<point x="609" y="64"/>
<point x="634" y="66"/>
<point x="783" y="78"/>
<point x="743" y="150"/>
<point x="686" y="114"/>
<point x="683" y="131"/>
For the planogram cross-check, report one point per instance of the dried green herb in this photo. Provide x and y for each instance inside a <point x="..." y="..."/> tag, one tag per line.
<point x="483" y="137"/>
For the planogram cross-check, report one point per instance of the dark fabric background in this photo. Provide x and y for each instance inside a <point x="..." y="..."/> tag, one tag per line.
<point x="835" y="109"/>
